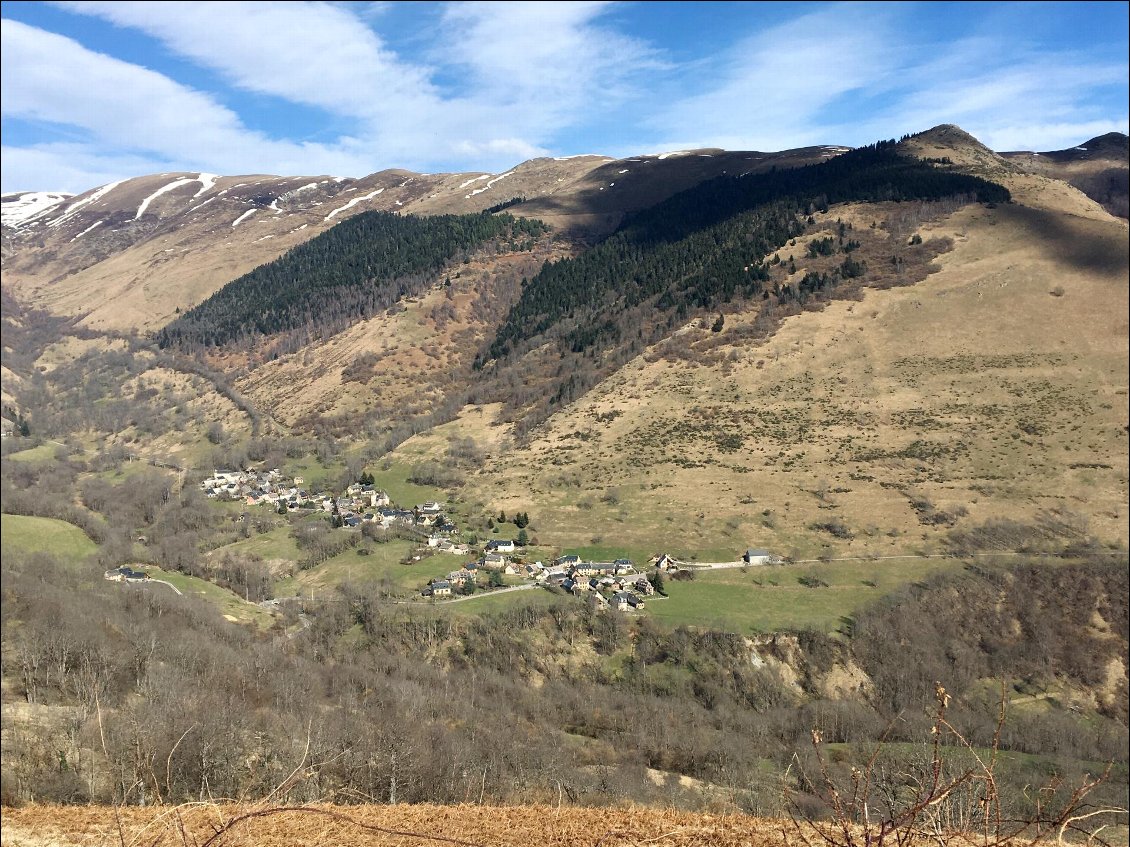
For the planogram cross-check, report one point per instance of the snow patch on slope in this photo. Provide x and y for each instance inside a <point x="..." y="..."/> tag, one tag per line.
<point x="88" y="229"/>
<point x="488" y="185"/>
<point x="26" y="207"/>
<point x="287" y="195"/>
<point x="73" y="209"/>
<point x="176" y="183"/>
<point x="353" y="203"/>
<point x="243" y="217"/>
<point x="206" y="182"/>
<point x="463" y="185"/>
<point x="205" y="203"/>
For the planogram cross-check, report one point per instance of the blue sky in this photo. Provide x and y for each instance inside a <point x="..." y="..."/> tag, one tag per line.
<point x="98" y="91"/>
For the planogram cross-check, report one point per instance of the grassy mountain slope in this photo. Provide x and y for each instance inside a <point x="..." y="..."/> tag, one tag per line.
<point x="726" y="241"/>
<point x="364" y="265"/>
<point x="994" y="387"/>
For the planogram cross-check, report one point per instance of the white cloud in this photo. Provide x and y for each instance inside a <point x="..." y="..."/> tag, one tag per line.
<point x="326" y="56"/>
<point x="542" y="64"/>
<point x="530" y="71"/>
<point x="160" y="123"/>
<point x="512" y="149"/>
<point x="841" y="76"/>
<point x="1019" y="100"/>
<point x="72" y="168"/>
<point x="1048" y="136"/>
<point x="508" y="95"/>
<point x="482" y="85"/>
<point x="316" y="54"/>
<point x="41" y="74"/>
<point x="773" y="87"/>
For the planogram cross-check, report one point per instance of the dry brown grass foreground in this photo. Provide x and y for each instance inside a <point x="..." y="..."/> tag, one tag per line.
<point x="326" y="825"/>
<point x="543" y="826"/>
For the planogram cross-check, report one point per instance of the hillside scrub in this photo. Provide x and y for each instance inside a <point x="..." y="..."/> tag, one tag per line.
<point x="1035" y="625"/>
<point x="120" y="390"/>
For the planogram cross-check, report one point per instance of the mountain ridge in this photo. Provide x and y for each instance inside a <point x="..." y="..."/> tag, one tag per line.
<point x="153" y="244"/>
<point x="1110" y="145"/>
<point x="115" y="243"/>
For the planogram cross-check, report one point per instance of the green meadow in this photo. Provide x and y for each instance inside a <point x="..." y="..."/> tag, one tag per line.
<point x="786" y="597"/>
<point x="45" y="535"/>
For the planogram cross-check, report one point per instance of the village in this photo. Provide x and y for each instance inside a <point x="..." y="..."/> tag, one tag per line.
<point x="616" y="585"/>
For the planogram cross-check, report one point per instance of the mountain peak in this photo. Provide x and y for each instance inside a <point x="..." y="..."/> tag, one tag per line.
<point x="949" y="135"/>
<point x="1112" y="145"/>
<point x="1119" y="138"/>
<point x="951" y="142"/>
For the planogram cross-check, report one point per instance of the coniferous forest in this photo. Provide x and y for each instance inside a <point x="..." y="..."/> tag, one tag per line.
<point x="364" y="264"/>
<point x="706" y="245"/>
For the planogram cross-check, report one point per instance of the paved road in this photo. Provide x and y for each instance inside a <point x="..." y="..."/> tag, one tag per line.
<point x="151" y="579"/>
<point x="710" y="565"/>
<point x="741" y="564"/>
<point x="491" y="593"/>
